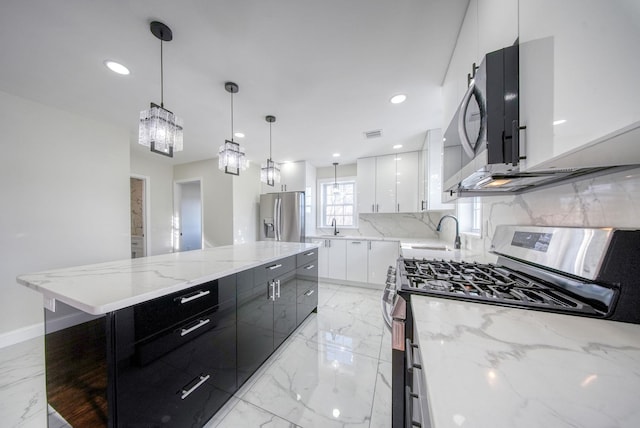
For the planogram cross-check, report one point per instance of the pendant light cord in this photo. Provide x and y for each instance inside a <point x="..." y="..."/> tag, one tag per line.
<point x="232" y="116"/>
<point x="161" y="77"/>
<point x="270" y="141"/>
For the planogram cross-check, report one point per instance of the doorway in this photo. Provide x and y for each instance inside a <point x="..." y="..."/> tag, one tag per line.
<point x="138" y="188"/>
<point x="188" y="214"/>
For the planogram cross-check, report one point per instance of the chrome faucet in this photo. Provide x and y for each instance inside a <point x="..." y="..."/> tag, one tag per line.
<point x="335" y="226"/>
<point x="456" y="245"/>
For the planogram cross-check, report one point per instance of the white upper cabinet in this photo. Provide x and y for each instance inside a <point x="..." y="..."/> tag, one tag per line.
<point x="389" y="184"/>
<point x="432" y="173"/>
<point x="386" y="184"/>
<point x="407" y="182"/>
<point x="579" y="83"/>
<point x="366" y="185"/>
<point x="488" y="25"/>
<point x="292" y="178"/>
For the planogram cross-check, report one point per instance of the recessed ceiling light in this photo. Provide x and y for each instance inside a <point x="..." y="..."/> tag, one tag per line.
<point x="397" y="99"/>
<point x="559" y="121"/>
<point x="239" y="135"/>
<point x="397" y="146"/>
<point x="116" y="67"/>
<point x="336" y="155"/>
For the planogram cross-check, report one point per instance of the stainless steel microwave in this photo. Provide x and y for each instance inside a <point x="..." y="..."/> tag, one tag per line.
<point x="481" y="143"/>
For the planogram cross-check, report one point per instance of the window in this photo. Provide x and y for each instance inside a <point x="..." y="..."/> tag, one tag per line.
<point x="338" y="202"/>
<point x="470" y="215"/>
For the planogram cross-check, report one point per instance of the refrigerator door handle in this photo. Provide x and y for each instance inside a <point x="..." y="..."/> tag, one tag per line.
<point x="279" y="221"/>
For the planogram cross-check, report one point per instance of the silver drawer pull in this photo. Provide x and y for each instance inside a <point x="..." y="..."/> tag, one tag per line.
<point x="185" y="331"/>
<point x="310" y="267"/>
<point x="275" y="266"/>
<point x="195" y="296"/>
<point x="309" y="293"/>
<point x="356" y="242"/>
<point x="186" y="392"/>
<point x="310" y="253"/>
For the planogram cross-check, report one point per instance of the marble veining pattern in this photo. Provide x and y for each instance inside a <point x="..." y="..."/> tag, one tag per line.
<point x="105" y="287"/>
<point x="538" y="369"/>
<point x="328" y="373"/>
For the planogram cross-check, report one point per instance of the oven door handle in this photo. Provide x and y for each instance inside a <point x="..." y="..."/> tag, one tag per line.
<point x="386" y="315"/>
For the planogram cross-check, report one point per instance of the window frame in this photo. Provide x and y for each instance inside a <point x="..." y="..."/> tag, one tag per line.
<point x="322" y="184"/>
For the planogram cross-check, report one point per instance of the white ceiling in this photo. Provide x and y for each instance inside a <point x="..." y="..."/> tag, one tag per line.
<point x="325" y="68"/>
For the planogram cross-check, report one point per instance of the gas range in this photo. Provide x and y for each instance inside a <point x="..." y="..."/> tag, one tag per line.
<point x="489" y="283"/>
<point x="592" y="272"/>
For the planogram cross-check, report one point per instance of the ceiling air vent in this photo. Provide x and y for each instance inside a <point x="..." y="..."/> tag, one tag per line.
<point x="373" y="134"/>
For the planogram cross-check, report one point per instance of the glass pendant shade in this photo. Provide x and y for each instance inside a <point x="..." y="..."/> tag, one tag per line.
<point x="160" y="130"/>
<point x="270" y="173"/>
<point x="231" y="158"/>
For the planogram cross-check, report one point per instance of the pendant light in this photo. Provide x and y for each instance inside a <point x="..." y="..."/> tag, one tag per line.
<point x="231" y="157"/>
<point x="270" y="172"/>
<point x="160" y="129"/>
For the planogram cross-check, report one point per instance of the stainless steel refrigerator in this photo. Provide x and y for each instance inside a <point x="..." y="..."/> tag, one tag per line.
<point x="282" y="217"/>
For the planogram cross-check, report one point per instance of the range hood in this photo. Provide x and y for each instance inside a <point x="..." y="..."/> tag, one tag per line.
<point x="612" y="153"/>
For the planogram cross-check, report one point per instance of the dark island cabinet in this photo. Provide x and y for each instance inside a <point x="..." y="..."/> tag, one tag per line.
<point x="175" y="360"/>
<point x="307" y="284"/>
<point x="182" y="374"/>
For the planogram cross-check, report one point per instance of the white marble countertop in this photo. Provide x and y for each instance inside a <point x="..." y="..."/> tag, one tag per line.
<point x="492" y="366"/>
<point x="105" y="287"/>
<point x="354" y="237"/>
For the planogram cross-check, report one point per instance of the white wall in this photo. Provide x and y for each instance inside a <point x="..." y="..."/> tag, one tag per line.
<point x="159" y="173"/>
<point x="217" y="195"/>
<point x="246" y="205"/>
<point x="65" y="193"/>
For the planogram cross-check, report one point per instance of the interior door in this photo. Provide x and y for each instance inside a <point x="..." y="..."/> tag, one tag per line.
<point x="189" y="211"/>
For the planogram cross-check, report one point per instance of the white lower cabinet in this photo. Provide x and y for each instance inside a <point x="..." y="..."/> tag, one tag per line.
<point x="332" y="256"/>
<point x="381" y="255"/>
<point x="357" y="255"/>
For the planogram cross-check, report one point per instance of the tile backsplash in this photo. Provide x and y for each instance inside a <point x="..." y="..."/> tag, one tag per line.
<point x="402" y="225"/>
<point x="611" y="200"/>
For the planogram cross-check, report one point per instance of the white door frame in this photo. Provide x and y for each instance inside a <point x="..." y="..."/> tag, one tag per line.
<point x="177" y="225"/>
<point x="146" y="205"/>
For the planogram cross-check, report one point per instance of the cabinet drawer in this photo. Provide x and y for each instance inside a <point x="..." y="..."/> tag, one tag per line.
<point x="149" y="350"/>
<point x="161" y="313"/>
<point x="307" y="257"/>
<point x="279" y="267"/>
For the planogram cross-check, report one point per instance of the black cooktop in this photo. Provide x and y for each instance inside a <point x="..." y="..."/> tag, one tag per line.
<point x="488" y="283"/>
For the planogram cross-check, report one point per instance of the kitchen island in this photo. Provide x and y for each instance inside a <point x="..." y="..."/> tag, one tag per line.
<point x="166" y="340"/>
<point x="494" y="366"/>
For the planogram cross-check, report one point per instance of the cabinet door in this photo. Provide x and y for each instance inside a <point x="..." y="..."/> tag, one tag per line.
<point x="433" y="171"/>
<point x="407" y="182"/>
<point x="255" y="322"/>
<point x="337" y="254"/>
<point x="356" y="261"/>
<point x="284" y="307"/>
<point x="578" y="78"/>
<point x="292" y="177"/>
<point x="386" y="184"/>
<point x="382" y="254"/>
<point x="366" y="186"/>
<point x="323" y="257"/>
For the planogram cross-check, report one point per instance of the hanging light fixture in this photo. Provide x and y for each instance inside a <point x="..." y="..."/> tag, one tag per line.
<point x="336" y="188"/>
<point x="231" y="157"/>
<point x="270" y="172"/>
<point x="160" y="129"/>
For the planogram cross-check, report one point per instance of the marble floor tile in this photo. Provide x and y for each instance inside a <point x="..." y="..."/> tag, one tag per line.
<point x="245" y="414"/>
<point x="22" y="390"/>
<point x="314" y="385"/>
<point x="385" y="349"/>
<point x="340" y="329"/>
<point x="361" y="303"/>
<point x="381" y="409"/>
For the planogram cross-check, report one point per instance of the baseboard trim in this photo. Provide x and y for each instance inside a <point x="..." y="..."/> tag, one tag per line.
<point x="22" y="334"/>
